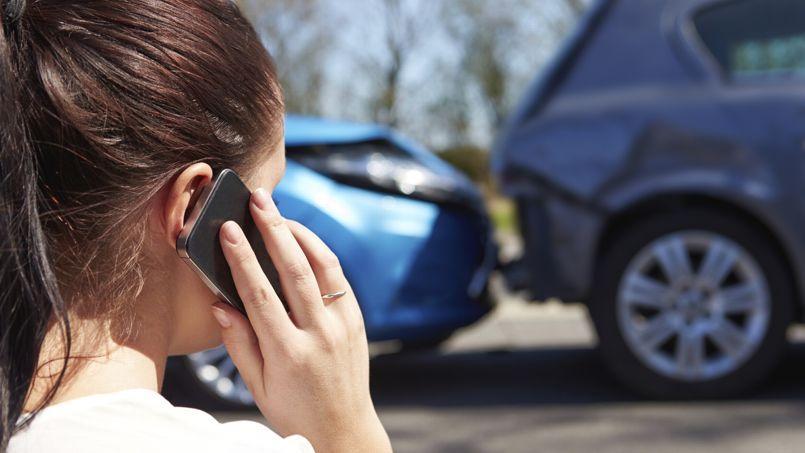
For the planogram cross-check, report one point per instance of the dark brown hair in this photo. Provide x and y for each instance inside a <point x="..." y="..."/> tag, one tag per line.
<point x="102" y="103"/>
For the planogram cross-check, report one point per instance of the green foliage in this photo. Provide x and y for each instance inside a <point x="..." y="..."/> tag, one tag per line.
<point x="474" y="162"/>
<point x="471" y="160"/>
<point x="503" y="213"/>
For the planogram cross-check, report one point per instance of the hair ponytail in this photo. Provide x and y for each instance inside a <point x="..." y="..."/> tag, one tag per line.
<point x="29" y="295"/>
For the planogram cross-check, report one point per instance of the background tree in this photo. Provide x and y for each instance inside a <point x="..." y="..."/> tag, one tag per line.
<point x="502" y="44"/>
<point x="299" y="38"/>
<point x="446" y="73"/>
<point x="394" y="31"/>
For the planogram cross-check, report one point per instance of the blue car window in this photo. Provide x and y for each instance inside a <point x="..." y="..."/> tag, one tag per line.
<point x="756" y="39"/>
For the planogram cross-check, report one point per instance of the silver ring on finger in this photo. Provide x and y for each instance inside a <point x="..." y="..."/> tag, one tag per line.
<point x="333" y="296"/>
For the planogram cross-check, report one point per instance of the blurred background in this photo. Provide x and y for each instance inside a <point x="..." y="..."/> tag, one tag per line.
<point x="571" y="224"/>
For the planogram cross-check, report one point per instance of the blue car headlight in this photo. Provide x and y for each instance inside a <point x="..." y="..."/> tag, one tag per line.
<point x="381" y="166"/>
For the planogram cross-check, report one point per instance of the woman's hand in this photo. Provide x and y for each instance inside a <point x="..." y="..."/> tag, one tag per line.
<point x="308" y="369"/>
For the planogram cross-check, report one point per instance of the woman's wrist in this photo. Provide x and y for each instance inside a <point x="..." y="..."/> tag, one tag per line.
<point x="366" y="434"/>
<point x="369" y="436"/>
<point x="380" y="439"/>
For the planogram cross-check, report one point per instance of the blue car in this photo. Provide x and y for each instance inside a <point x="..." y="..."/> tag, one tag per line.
<point x="411" y="232"/>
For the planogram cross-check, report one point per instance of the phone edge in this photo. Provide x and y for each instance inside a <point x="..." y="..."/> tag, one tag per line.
<point x="183" y="240"/>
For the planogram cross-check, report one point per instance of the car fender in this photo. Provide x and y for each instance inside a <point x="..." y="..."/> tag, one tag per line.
<point x="758" y="197"/>
<point x="753" y="194"/>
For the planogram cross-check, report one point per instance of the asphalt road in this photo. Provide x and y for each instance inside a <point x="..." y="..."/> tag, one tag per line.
<point x="528" y="379"/>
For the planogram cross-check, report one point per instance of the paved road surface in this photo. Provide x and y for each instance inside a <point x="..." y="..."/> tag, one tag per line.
<point x="527" y="379"/>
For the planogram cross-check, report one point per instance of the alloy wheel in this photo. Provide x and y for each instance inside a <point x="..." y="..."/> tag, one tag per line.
<point x="693" y="305"/>
<point x="216" y="371"/>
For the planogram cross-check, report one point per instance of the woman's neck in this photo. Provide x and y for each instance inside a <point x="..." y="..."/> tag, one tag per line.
<point x="102" y="360"/>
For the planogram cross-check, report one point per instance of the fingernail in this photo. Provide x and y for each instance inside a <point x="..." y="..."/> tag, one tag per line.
<point x="221" y="317"/>
<point x="231" y="232"/>
<point x="261" y="198"/>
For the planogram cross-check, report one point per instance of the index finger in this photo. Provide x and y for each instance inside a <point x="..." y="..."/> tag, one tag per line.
<point x="296" y="275"/>
<point x="326" y="265"/>
<point x="266" y="312"/>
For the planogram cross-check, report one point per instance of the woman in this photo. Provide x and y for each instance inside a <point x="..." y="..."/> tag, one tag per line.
<point x="115" y="114"/>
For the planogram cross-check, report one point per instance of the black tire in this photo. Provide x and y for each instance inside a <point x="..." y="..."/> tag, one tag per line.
<point x="183" y="388"/>
<point x="627" y="367"/>
<point x="425" y="344"/>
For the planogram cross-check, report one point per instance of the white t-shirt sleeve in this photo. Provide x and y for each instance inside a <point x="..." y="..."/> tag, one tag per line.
<point x="255" y="432"/>
<point x="142" y="421"/>
<point x="238" y="436"/>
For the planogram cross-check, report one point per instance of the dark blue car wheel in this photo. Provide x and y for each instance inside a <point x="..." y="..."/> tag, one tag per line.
<point x="692" y="304"/>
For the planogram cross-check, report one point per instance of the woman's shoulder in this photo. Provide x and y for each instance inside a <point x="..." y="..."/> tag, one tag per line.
<point x="143" y="421"/>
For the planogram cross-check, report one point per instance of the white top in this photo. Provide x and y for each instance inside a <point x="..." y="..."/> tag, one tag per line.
<point x="140" y="420"/>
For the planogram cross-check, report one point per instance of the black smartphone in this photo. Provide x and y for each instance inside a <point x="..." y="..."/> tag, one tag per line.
<point x="226" y="198"/>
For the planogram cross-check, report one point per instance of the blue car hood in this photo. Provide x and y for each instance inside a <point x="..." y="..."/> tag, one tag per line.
<point x="307" y="131"/>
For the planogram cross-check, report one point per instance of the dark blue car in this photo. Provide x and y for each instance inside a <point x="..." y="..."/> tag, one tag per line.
<point x="658" y="170"/>
<point x="411" y="232"/>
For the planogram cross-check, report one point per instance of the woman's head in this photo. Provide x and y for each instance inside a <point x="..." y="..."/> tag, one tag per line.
<point x="114" y="114"/>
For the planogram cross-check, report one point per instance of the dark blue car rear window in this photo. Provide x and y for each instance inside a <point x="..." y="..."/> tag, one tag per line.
<point x="756" y="38"/>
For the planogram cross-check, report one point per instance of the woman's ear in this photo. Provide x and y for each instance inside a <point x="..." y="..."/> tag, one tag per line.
<point x="180" y="197"/>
